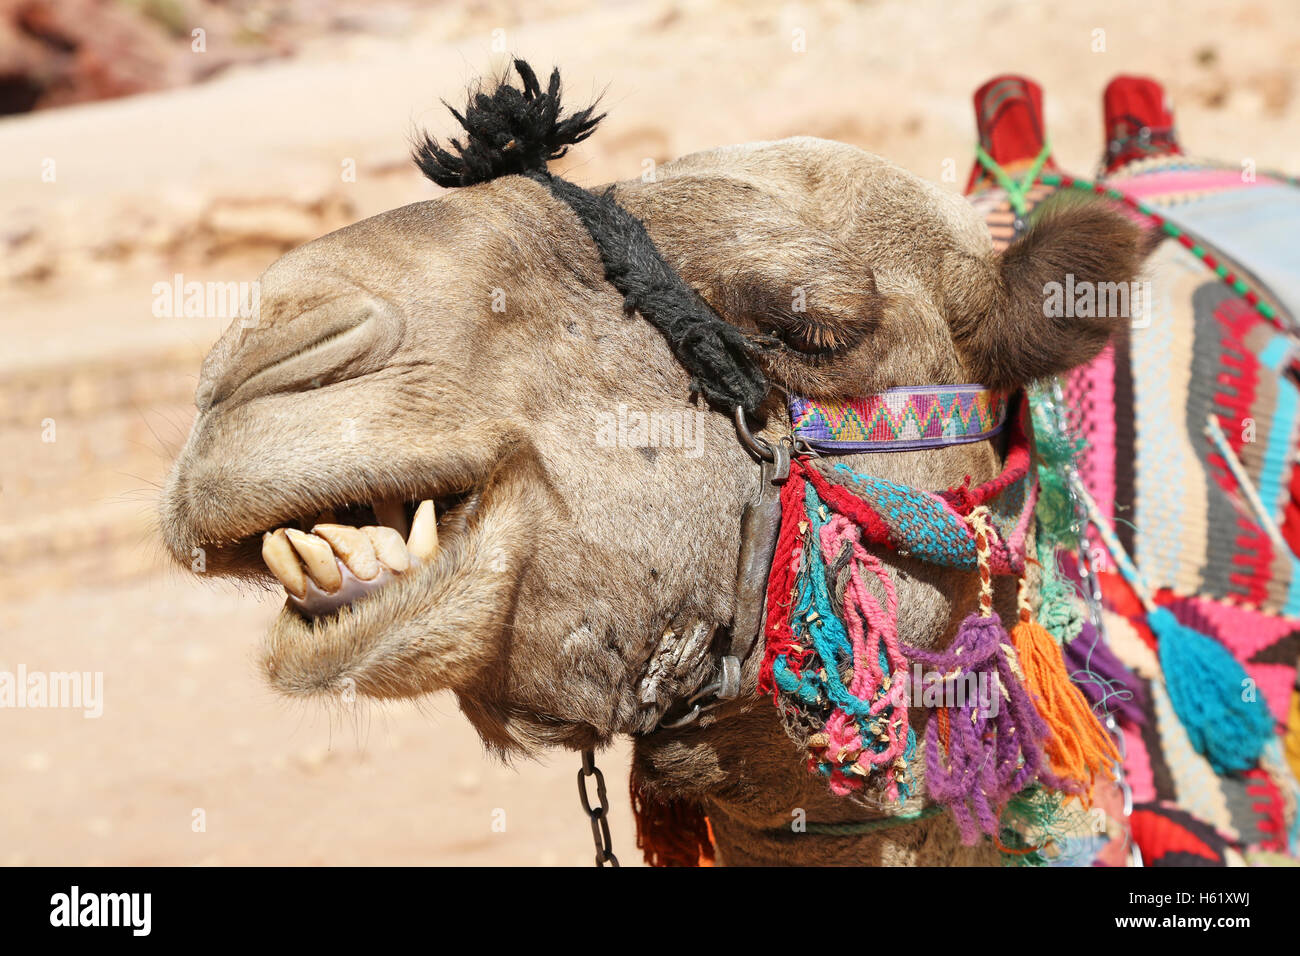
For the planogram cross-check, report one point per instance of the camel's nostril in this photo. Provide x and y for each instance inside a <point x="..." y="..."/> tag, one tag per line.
<point x="349" y="335"/>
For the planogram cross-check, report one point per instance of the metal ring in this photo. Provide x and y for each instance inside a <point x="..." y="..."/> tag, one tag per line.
<point x="689" y="717"/>
<point x="759" y="447"/>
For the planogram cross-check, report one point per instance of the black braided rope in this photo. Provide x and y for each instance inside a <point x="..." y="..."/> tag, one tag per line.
<point x="516" y="132"/>
<point x="715" y="352"/>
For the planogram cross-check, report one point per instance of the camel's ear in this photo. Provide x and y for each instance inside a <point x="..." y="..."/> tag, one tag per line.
<point x="1055" y="303"/>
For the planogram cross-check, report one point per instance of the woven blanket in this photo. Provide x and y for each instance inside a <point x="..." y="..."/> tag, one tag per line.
<point x="1203" y="354"/>
<point x="1250" y="218"/>
<point x="1219" y="562"/>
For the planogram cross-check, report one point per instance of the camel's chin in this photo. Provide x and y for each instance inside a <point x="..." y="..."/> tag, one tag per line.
<point x="425" y="629"/>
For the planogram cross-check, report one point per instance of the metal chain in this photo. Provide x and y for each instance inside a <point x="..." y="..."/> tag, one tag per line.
<point x="599" y="814"/>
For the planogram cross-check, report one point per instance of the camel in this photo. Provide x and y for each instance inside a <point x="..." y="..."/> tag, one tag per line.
<point x="427" y="390"/>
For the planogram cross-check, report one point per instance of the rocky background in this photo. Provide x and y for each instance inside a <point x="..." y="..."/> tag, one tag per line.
<point x="142" y="139"/>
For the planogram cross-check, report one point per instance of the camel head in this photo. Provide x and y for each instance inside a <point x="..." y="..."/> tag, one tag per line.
<point x="522" y="492"/>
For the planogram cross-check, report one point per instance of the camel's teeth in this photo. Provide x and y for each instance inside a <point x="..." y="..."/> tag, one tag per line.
<point x="389" y="548"/>
<point x="392" y="514"/>
<point x="319" y="558"/>
<point x="283" y="563"/>
<point x="353" y="547"/>
<point x="423" y="540"/>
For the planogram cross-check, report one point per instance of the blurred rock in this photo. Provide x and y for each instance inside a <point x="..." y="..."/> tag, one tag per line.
<point x="77" y="50"/>
<point x="58" y="52"/>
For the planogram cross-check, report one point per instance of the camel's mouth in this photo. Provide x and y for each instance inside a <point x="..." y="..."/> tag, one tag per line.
<point x="344" y="555"/>
<point x="398" y="572"/>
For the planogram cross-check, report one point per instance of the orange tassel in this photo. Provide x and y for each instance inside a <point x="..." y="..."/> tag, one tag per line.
<point x="670" y="831"/>
<point x="1079" y="747"/>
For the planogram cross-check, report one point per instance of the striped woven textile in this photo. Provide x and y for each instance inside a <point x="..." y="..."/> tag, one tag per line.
<point x="1221" y="566"/>
<point x="1251" y="218"/>
<point x="1201" y="353"/>
<point x="899" y="418"/>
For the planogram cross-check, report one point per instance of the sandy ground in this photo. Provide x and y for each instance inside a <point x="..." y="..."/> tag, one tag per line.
<point x="215" y="180"/>
<point x="187" y="737"/>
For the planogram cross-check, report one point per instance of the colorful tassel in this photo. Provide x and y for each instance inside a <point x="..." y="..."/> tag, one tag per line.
<point x="1078" y="747"/>
<point x="1208" y="690"/>
<point x="670" y="831"/>
<point x="1034" y="822"/>
<point x="988" y="756"/>
<point x="1206" y="684"/>
<point x="839" y="674"/>
<point x="841" y="666"/>
<point x="1060" y="607"/>
<point x="977" y="759"/>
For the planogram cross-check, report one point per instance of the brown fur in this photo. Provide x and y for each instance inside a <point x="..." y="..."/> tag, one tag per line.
<point x="379" y="368"/>
<point x="1007" y="337"/>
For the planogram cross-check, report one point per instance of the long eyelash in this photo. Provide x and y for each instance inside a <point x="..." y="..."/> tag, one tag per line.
<point x="822" y="338"/>
<point x="812" y="342"/>
<point x="813" y="336"/>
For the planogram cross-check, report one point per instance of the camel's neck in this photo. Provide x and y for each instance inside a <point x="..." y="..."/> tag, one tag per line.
<point x="932" y="841"/>
<point x="752" y="780"/>
<point x="766" y="809"/>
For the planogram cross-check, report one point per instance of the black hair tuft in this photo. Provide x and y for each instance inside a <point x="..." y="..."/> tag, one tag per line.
<point x="510" y="131"/>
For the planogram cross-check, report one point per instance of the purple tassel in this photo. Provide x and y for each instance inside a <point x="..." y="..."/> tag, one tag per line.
<point x="990" y="756"/>
<point x="1109" y="686"/>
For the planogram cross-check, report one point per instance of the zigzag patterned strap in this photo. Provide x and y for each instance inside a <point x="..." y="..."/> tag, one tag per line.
<point x="899" y="419"/>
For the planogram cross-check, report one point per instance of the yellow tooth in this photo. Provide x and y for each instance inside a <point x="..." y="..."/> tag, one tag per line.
<point x="389" y="548"/>
<point x="423" y="540"/>
<point x="392" y="513"/>
<point x="279" y="557"/>
<point x="352" y="546"/>
<point x="319" y="558"/>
